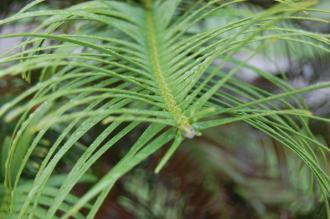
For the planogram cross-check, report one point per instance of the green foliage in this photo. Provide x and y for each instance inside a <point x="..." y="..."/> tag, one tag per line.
<point x="128" y="65"/>
<point x="151" y="200"/>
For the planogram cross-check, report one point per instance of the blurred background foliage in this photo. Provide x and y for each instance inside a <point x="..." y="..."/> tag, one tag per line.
<point x="230" y="172"/>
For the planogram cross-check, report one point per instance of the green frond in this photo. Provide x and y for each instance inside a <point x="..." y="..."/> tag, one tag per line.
<point x="126" y="66"/>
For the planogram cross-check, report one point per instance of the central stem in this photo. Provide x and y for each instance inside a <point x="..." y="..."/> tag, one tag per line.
<point x="170" y="102"/>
